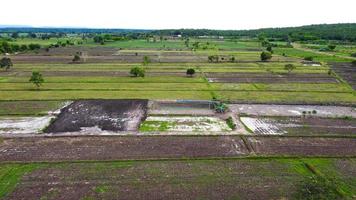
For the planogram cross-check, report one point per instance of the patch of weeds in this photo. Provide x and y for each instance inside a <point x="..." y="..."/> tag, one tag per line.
<point x="101" y="189"/>
<point x="230" y="123"/>
<point x="149" y="126"/>
<point x="317" y="187"/>
<point x="344" y="117"/>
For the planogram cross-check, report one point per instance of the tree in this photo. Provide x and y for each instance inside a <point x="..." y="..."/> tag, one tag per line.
<point x="99" y="39"/>
<point x="232" y="59"/>
<point x="289" y="67"/>
<point x="331" y="47"/>
<point x="5" y="63"/>
<point x="137" y="72"/>
<point x="34" y="46"/>
<point x="76" y="58"/>
<point x="353" y="62"/>
<point x="266" y="56"/>
<point x="190" y="72"/>
<point x="309" y="58"/>
<point x="269" y="48"/>
<point x="146" y="60"/>
<point x="36" y="79"/>
<point x="15" y="35"/>
<point x="353" y="54"/>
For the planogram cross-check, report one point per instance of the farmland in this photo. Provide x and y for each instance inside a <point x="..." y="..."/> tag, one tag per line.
<point x="237" y="127"/>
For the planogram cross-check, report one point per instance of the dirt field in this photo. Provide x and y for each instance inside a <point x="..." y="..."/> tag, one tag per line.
<point x="269" y="78"/>
<point x="242" y="179"/>
<point x="300" y="126"/>
<point x="106" y="115"/>
<point x="141" y="147"/>
<point x="347" y="72"/>
<point x="292" y="110"/>
<point x="180" y="108"/>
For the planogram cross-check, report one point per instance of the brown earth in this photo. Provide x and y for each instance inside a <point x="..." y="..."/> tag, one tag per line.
<point x="157" y="147"/>
<point x="108" y="115"/>
<point x="242" y="179"/>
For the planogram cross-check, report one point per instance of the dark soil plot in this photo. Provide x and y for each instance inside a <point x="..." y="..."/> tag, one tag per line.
<point x="269" y="78"/>
<point x="71" y="51"/>
<point x="299" y="146"/>
<point x="108" y="115"/>
<point x="116" y="148"/>
<point x="347" y="71"/>
<point x="317" y="126"/>
<point x="242" y="179"/>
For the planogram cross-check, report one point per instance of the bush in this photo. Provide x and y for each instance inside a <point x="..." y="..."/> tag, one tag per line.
<point x="353" y="54"/>
<point x="231" y="123"/>
<point x="137" y="72"/>
<point x="266" y="56"/>
<point x="220" y="107"/>
<point x="309" y="58"/>
<point x="34" y="46"/>
<point x="36" y="79"/>
<point x="190" y="71"/>
<point x="76" y="58"/>
<point x="289" y="67"/>
<point x="5" y="63"/>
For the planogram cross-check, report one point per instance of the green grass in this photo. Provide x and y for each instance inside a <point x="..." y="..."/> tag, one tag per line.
<point x="72" y="95"/>
<point x="149" y="126"/>
<point x="283" y="97"/>
<point x="28" y="107"/>
<point x="10" y="176"/>
<point x="291" y="52"/>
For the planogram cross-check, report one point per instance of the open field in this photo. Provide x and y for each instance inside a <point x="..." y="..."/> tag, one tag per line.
<point x="207" y="179"/>
<point x="93" y="131"/>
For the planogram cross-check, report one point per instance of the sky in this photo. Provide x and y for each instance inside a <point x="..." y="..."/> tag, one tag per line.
<point x="167" y="14"/>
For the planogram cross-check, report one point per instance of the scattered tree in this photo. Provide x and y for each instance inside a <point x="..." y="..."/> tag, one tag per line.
<point x="15" y="35"/>
<point x="266" y="56"/>
<point x="220" y="107"/>
<point x="331" y="47"/>
<point x="146" y="60"/>
<point x="36" y="79"/>
<point x="269" y="48"/>
<point x="289" y="67"/>
<point x="308" y="58"/>
<point x="137" y="72"/>
<point x="190" y="72"/>
<point x="76" y="58"/>
<point x="213" y="58"/>
<point x="232" y="59"/>
<point x="5" y="63"/>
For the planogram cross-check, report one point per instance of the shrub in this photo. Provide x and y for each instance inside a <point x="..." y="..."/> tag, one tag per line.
<point x="5" y="63"/>
<point x="353" y="54"/>
<point x="289" y="67"/>
<point x="36" y="79"/>
<point x="353" y="62"/>
<point x="220" y="107"/>
<point x="231" y="123"/>
<point x="76" y="58"/>
<point x="146" y="60"/>
<point x="137" y="72"/>
<point x="266" y="56"/>
<point x="190" y="72"/>
<point x="308" y="58"/>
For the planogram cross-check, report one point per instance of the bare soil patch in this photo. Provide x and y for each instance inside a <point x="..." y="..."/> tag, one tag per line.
<point x="347" y="71"/>
<point x="107" y="115"/>
<point x="269" y="78"/>
<point x="116" y="148"/>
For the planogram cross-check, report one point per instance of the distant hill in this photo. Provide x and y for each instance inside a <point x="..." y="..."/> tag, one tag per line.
<point x="7" y="29"/>
<point x="310" y="32"/>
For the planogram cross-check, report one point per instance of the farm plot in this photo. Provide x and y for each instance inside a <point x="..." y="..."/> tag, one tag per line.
<point x="300" y="126"/>
<point x="21" y="125"/>
<point x="226" y="179"/>
<point x="346" y="71"/>
<point x="269" y="78"/>
<point x="119" y="148"/>
<point x="196" y="124"/>
<point x="100" y="115"/>
<point x="292" y="110"/>
<point x="189" y="108"/>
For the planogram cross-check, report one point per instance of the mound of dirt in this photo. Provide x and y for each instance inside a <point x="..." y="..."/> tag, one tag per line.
<point x="105" y="115"/>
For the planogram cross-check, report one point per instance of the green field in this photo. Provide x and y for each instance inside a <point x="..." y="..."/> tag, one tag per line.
<point x="273" y="178"/>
